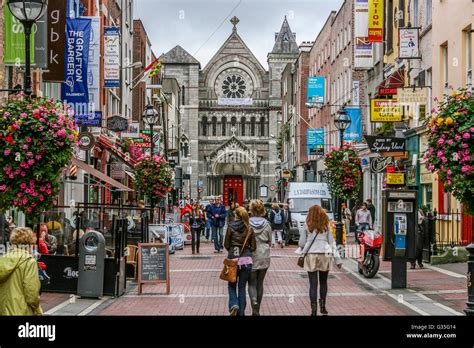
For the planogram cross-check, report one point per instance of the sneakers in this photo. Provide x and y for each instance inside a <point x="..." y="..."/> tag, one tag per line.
<point x="216" y="251"/>
<point x="234" y="311"/>
<point x="421" y="265"/>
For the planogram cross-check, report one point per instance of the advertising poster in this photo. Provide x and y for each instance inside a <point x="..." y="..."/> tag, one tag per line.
<point x="56" y="39"/>
<point x="315" y="142"/>
<point x="408" y="43"/>
<point x="363" y="49"/>
<point x="14" y="40"/>
<point x="354" y="132"/>
<point x="316" y="89"/>
<point x="384" y="110"/>
<point x="111" y="57"/>
<point x="375" y="21"/>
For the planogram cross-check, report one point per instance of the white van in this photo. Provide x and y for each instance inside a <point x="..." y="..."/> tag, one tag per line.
<point x="300" y="196"/>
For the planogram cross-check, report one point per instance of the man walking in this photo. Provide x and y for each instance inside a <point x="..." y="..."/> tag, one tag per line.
<point x="209" y="219"/>
<point x="277" y="222"/>
<point x="218" y="213"/>
<point x="287" y="221"/>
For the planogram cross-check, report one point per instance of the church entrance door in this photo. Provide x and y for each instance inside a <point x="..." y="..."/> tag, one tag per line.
<point x="233" y="190"/>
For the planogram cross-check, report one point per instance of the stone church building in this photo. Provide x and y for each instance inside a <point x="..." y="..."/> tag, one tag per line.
<point x="229" y="114"/>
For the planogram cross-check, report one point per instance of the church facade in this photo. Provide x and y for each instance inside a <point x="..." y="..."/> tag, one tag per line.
<point x="229" y="116"/>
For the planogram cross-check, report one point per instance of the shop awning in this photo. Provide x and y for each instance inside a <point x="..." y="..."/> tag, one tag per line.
<point x="99" y="175"/>
<point x="130" y="174"/>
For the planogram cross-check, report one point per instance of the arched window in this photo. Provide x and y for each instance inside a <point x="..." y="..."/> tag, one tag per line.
<point x="252" y="126"/>
<point x="214" y="126"/>
<point x="224" y="126"/>
<point x="204" y="126"/>
<point x="242" y="126"/>
<point x="262" y="126"/>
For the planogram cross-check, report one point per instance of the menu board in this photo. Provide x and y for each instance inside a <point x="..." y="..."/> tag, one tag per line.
<point x="153" y="264"/>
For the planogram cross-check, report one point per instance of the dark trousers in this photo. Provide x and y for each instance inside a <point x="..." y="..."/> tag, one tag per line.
<point x="418" y="257"/>
<point x="256" y="285"/>
<point x="218" y="236"/>
<point x="237" y="290"/>
<point x="196" y="238"/>
<point x="313" y="285"/>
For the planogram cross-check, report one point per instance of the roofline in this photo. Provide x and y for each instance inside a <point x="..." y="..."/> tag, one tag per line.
<point x="333" y="13"/>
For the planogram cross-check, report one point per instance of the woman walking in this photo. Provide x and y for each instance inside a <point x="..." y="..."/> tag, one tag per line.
<point x="196" y="221"/>
<point x="261" y="255"/>
<point x="19" y="279"/>
<point x="319" y="250"/>
<point x="276" y="219"/>
<point x="240" y="243"/>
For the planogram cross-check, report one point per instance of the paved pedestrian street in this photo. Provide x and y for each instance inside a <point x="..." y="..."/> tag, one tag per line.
<point x="196" y="290"/>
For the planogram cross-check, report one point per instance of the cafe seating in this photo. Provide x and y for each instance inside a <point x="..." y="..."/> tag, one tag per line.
<point x="132" y="258"/>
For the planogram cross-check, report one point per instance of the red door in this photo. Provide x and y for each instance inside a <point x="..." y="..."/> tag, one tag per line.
<point x="233" y="190"/>
<point x="466" y="231"/>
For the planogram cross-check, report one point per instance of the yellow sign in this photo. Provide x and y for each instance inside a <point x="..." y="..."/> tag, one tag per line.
<point x="375" y="21"/>
<point x="385" y="110"/>
<point x="395" y="178"/>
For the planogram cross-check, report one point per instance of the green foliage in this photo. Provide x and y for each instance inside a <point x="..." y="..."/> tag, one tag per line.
<point x="153" y="176"/>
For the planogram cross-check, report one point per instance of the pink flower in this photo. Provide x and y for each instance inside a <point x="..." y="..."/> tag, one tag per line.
<point x="466" y="135"/>
<point x="48" y="192"/>
<point x="440" y="153"/>
<point x="19" y="194"/>
<point x="23" y="115"/>
<point x="472" y="129"/>
<point x="450" y="142"/>
<point x="6" y="152"/>
<point x="28" y="140"/>
<point x="42" y="189"/>
<point x="29" y="210"/>
<point x="38" y="157"/>
<point x="23" y="185"/>
<point x="41" y="198"/>
<point x="62" y="133"/>
<point x="27" y="191"/>
<point x="33" y="205"/>
<point x="457" y="137"/>
<point x="29" y="154"/>
<point x="3" y="188"/>
<point x="31" y="162"/>
<point x="450" y="172"/>
<point x="17" y="171"/>
<point x="433" y="129"/>
<point x="444" y="159"/>
<point x="441" y="141"/>
<point x="466" y="169"/>
<point x="42" y="120"/>
<point x="25" y="200"/>
<point x="465" y="146"/>
<point x="6" y="114"/>
<point x="23" y="174"/>
<point x="25" y="147"/>
<point x="35" y="194"/>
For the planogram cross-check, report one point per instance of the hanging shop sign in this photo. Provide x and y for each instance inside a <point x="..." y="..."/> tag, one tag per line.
<point x="111" y="57"/>
<point x="385" y="144"/>
<point x="387" y="91"/>
<point x="375" y="21"/>
<point x="86" y="141"/>
<point x="56" y="38"/>
<point x="315" y="141"/>
<point x="409" y="43"/>
<point x="380" y="164"/>
<point x="117" y="124"/>
<point x="133" y="131"/>
<point x="117" y="171"/>
<point x="93" y="119"/>
<point x="74" y="89"/>
<point x="354" y="132"/>
<point x="316" y="89"/>
<point x="356" y="93"/>
<point x="412" y="96"/>
<point x="384" y="110"/>
<point x="395" y="178"/>
<point x="93" y="72"/>
<point x="286" y="174"/>
<point x="363" y="49"/>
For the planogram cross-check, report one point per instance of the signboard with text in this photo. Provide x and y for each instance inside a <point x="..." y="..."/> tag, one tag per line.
<point x="375" y="21"/>
<point x="385" y="110"/>
<point x="412" y="95"/>
<point x="111" y="57"/>
<point x="153" y="265"/>
<point x="409" y="43"/>
<point x="315" y="142"/>
<point x="316" y="89"/>
<point x="56" y="39"/>
<point x="385" y="144"/>
<point x="363" y="49"/>
<point x="354" y="132"/>
<point x="395" y="178"/>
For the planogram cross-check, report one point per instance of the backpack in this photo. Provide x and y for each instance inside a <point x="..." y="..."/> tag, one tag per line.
<point x="277" y="219"/>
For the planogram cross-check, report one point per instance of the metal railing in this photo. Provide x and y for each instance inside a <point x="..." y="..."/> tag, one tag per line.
<point x="453" y="228"/>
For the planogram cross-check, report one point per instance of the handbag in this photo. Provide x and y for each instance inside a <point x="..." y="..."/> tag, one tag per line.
<point x="301" y="258"/>
<point x="229" y="272"/>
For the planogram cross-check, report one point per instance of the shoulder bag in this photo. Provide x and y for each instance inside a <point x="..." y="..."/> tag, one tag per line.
<point x="301" y="258"/>
<point x="229" y="272"/>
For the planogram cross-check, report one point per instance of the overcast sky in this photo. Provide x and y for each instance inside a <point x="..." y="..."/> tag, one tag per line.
<point x="190" y="23"/>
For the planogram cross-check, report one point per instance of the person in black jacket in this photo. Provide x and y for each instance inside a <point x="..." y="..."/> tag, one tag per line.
<point x="239" y="233"/>
<point x="196" y="221"/>
<point x="287" y="221"/>
<point x="277" y="221"/>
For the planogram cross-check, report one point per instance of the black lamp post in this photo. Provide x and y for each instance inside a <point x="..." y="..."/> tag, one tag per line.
<point x="27" y="12"/>
<point x="470" y="271"/>
<point x="151" y="117"/>
<point x="342" y="121"/>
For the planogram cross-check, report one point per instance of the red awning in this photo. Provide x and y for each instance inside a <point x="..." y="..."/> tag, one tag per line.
<point x="396" y="80"/>
<point x="107" y="144"/>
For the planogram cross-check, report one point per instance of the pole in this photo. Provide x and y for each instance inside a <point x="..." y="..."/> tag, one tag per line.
<point x="339" y="223"/>
<point x="470" y="270"/>
<point x="27" y="26"/>
<point x="152" y="149"/>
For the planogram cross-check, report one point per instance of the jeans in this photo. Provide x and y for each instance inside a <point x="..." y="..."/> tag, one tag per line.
<point x="256" y="285"/>
<point x="313" y="285"/>
<point x="196" y="238"/>
<point x="237" y="291"/>
<point x="208" y="229"/>
<point x="218" y="236"/>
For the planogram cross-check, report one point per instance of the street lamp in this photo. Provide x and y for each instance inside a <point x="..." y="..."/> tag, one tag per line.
<point x="342" y="121"/>
<point x="27" y="12"/>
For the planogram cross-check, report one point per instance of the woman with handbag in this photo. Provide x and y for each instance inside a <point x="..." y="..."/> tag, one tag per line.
<point x="196" y="220"/>
<point x="319" y="253"/>
<point x="240" y="243"/>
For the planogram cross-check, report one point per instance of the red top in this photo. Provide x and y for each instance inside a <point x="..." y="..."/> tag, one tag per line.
<point x="43" y="249"/>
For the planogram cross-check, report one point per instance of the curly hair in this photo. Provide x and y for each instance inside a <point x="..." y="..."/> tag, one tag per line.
<point x="22" y="236"/>
<point x="257" y="208"/>
<point x="317" y="219"/>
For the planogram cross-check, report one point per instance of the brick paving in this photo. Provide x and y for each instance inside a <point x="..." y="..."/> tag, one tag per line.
<point x="51" y="300"/>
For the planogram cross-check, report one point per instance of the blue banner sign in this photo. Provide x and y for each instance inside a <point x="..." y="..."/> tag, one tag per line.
<point x="316" y="89"/>
<point x="315" y="141"/>
<point x="354" y="132"/>
<point x="74" y="89"/>
<point x="93" y="119"/>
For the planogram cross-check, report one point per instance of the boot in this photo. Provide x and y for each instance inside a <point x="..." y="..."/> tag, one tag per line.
<point x="314" y="308"/>
<point x="255" y="309"/>
<point x="322" y="307"/>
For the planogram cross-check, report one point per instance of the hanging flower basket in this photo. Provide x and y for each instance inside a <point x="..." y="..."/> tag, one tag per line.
<point x="37" y="138"/>
<point x="451" y="144"/>
<point x="153" y="177"/>
<point x="344" y="172"/>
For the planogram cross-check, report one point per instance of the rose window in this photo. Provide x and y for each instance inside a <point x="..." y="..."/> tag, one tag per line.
<point x="234" y="86"/>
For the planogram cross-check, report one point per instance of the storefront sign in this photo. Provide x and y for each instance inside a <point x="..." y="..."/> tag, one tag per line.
<point x="74" y="89"/>
<point x="315" y="141"/>
<point x="93" y="72"/>
<point x="363" y="49"/>
<point x="117" y="124"/>
<point x="356" y="93"/>
<point x="117" y="171"/>
<point x="395" y="178"/>
<point x="380" y="164"/>
<point x="387" y="91"/>
<point x="56" y="39"/>
<point x="111" y="57"/>
<point x="316" y="89"/>
<point x="385" y="144"/>
<point x="383" y="110"/>
<point x="14" y="39"/>
<point x="133" y="131"/>
<point x="412" y="96"/>
<point x="409" y="43"/>
<point x="86" y="141"/>
<point x="354" y="132"/>
<point x="93" y="119"/>
<point x="375" y="21"/>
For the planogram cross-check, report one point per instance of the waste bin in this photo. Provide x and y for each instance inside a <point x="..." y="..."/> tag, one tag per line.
<point x="91" y="265"/>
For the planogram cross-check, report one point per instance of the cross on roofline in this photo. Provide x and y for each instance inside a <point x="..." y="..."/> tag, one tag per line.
<point x="234" y="20"/>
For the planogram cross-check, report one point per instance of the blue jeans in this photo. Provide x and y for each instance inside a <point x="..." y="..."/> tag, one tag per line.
<point x="237" y="291"/>
<point x="208" y="228"/>
<point x="218" y="236"/>
<point x="363" y="227"/>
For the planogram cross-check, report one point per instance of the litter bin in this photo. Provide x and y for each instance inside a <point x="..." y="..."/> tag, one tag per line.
<point x="91" y="265"/>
